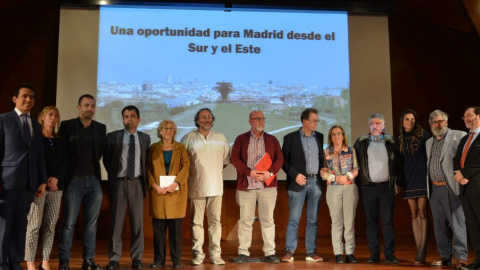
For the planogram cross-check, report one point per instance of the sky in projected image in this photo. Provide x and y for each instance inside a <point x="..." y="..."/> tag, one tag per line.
<point x="173" y="76"/>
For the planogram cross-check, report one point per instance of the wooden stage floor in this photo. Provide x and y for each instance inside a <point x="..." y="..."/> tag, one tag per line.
<point x="405" y="252"/>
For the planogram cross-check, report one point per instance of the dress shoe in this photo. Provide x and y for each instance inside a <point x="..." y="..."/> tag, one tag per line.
<point x="442" y="262"/>
<point x="474" y="265"/>
<point x="391" y="260"/>
<point x="176" y="265"/>
<point x="137" y="264"/>
<point x="339" y="258"/>
<point x="63" y="265"/>
<point x="112" y="265"/>
<point x="90" y="264"/>
<point x="350" y="259"/>
<point x="373" y="260"/>
<point x="157" y="264"/>
<point x="40" y="267"/>
<point x="461" y="263"/>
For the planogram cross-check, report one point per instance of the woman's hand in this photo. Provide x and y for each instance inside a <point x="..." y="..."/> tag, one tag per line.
<point x="171" y="188"/>
<point x="52" y="183"/>
<point x="159" y="190"/>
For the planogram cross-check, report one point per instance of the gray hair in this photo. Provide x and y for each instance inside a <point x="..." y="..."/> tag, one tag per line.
<point x="252" y="112"/>
<point x="436" y="113"/>
<point x="376" y="115"/>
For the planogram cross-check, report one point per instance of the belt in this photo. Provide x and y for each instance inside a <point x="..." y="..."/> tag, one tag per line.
<point x="378" y="184"/>
<point x="312" y="175"/>
<point x="439" y="183"/>
<point x="128" y="179"/>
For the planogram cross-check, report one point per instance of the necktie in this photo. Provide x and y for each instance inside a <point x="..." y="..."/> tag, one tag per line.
<point x="26" y="129"/>
<point x="465" y="150"/>
<point x="131" y="158"/>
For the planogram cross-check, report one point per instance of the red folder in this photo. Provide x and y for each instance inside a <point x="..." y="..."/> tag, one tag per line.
<point x="263" y="165"/>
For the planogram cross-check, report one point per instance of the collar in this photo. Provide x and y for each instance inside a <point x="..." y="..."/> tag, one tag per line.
<point x="126" y="132"/>
<point x="20" y="113"/>
<point x="304" y="135"/>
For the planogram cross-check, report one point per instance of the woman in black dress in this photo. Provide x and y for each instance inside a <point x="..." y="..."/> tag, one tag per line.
<point x="412" y="147"/>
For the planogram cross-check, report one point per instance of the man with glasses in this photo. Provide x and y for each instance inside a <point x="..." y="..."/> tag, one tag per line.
<point x="446" y="207"/>
<point x="466" y="165"/>
<point x="252" y="188"/>
<point x="124" y="159"/>
<point x="209" y="154"/>
<point x="303" y="154"/>
<point x="379" y="173"/>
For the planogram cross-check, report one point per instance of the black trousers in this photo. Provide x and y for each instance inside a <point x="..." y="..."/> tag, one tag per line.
<point x="159" y="239"/>
<point x="471" y="207"/>
<point x="14" y="207"/>
<point x="378" y="200"/>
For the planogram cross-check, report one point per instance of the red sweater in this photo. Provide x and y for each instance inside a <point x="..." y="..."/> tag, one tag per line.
<point x="239" y="158"/>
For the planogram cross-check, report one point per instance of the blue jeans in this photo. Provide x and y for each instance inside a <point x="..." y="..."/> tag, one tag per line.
<point x="82" y="191"/>
<point x="311" y="192"/>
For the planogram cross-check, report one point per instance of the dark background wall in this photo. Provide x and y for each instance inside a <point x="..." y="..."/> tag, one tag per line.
<point x="435" y="64"/>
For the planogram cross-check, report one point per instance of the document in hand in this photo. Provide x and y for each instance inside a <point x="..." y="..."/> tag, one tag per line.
<point x="263" y="165"/>
<point x="166" y="180"/>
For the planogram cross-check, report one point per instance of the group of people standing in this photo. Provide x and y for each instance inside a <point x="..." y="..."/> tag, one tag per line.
<point x="44" y="163"/>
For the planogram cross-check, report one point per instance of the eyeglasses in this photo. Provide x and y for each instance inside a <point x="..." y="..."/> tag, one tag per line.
<point x="468" y="116"/>
<point x="206" y="117"/>
<point x="313" y="121"/>
<point x="168" y="129"/>
<point x="438" y="122"/>
<point x="259" y="119"/>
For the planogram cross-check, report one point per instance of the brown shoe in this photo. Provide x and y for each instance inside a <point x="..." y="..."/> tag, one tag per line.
<point x="442" y="262"/>
<point x="461" y="263"/>
<point x="313" y="257"/>
<point x="288" y="257"/>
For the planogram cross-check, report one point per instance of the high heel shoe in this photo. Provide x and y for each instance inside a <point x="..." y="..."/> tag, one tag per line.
<point x="40" y="267"/>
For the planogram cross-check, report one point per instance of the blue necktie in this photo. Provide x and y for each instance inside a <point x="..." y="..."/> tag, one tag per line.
<point x="26" y="129"/>
<point x="131" y="158"/>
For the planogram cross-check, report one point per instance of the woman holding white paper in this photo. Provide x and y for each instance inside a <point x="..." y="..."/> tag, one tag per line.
<point x="168" y="204"/>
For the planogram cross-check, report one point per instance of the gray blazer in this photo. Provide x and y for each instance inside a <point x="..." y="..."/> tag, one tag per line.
<point x="449" y="150"/>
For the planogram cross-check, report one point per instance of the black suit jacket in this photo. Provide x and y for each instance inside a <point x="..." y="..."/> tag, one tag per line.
<point x="113" y="153"/>
<point x="471" y="169"/>
<point x="21" y="163"/>
<point x="294" y="158"/>
<point x="70" y="129"/>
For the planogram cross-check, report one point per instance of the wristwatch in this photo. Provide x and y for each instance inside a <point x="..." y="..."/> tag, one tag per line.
<point x="271" y="174"/>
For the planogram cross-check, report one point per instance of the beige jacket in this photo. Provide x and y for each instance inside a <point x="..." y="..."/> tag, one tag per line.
<point x="172" y="205"/>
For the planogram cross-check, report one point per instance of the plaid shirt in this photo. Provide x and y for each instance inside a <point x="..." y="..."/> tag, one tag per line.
<point x="256" y="150"/>
<point x="435" y="168"/>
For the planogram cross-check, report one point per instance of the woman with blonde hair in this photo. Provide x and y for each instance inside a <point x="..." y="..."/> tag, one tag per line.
<point x="339" y="171"/>
<point x="168" y="202"/>
<point x="44" y="211"/>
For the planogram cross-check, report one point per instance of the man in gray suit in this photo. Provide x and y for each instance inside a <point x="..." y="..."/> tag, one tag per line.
<point x="124" y="160"/>
<point x="444" y="192"/>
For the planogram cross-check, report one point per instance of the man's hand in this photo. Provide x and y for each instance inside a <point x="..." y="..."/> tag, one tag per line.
<point x="301" y="179"/>
<point x="458" y="176"/>
<point x="41" y="190"/>
<point x="464" y="181"/>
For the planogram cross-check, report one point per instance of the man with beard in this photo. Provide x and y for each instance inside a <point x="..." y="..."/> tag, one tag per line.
<point x="466" y="165"/>
<point x="85" y="143"/>
<point x="379" y="171"/>
<point x="209" y="153"/>
<point x="247" y="150"/>
<point x="124" y="159"/>
<point x="446" y="207"/>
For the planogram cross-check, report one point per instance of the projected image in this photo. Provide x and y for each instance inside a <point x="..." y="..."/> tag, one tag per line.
<point x="171" y="62"/>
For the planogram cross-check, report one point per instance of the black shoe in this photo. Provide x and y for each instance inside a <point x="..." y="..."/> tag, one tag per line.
<point x="157" y="264"/>
<point x="474" y="265"/>
<point x="63" y="265"/>
<point x="40" y="267"/>
<point x="392" y="260"/>
<point x="176" y="265"/>
<point x="339" y="258"/>
<point x="350" y="259"/>
<point x="271" y="259"/>
<point x="112" y="265"/>
<point x="90" y="265"/>
<point x="241" y="259"/>
<point x="373" y="260"/>
<point x="137" y="264"/>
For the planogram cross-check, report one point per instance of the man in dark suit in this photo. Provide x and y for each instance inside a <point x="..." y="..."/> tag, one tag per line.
<point x="303" y="155"/>
<point x="85" y="143"/>
<point x="22" y="174"/>
<point x="124" y="160"/>
<point x="466" y="165"/>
